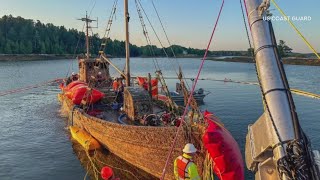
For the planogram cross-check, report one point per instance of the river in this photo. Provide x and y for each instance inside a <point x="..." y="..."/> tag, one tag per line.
<point x="35" y="143"/>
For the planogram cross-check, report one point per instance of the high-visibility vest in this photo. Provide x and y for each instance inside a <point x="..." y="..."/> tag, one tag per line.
<point x="115" y="85"/>
<point x="182" y="166"/>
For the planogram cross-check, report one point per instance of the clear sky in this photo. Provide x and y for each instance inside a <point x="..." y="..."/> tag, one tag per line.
<point x="187" y="22"/>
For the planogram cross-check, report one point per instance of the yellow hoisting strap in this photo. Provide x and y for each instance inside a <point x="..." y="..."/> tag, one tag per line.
<point x="295" y="28"/>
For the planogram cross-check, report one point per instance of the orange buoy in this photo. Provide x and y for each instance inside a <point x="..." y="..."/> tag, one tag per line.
<point x="84" y="138"/>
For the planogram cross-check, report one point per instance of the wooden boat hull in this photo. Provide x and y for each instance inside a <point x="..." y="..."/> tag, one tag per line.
<point x="143" y="146"/>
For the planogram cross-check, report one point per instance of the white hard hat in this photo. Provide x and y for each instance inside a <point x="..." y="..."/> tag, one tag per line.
<point x="99" y="73"/>
<point x="73" y="73"/>
<point x="189" y="148"/>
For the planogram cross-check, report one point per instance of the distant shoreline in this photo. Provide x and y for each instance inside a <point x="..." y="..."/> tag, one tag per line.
<point x="288" y="60"/>
<point x="33" y="57"/>
<point x="240" y="59"/>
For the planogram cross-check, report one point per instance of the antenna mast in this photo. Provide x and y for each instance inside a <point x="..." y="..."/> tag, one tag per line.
<point x="87" y="20"/>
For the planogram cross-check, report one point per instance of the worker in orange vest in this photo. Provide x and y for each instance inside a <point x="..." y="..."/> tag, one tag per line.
<point x="184" y="167"/>
<point x="115" y="85"/>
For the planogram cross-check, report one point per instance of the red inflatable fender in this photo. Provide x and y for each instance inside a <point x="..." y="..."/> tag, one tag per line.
<point x="72" y="84"/>
<point x="70" y="93"/>
<point x="223" y="149"/>
<point x="91" y="97"/>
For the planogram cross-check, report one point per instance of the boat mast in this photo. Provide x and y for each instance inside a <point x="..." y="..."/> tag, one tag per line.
<point x="87" y="20"/>
<point x="87" y="35"/>
<point x="127" y="18"/>
<point x="267" y="153"/>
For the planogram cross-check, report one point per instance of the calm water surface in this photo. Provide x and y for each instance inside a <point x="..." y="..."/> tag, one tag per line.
<point x="34" y="142"/>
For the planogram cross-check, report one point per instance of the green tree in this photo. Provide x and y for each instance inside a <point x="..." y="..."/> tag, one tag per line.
<point x="250" y="52"/>
<point x="28" y="48"/>
<point x="7" y="47"/>
<point x="22" y="48"/>
<point x="43" y="48"/>
<point x="283" y="49"/>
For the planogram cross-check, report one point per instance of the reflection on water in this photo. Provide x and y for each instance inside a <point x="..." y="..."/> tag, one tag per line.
<point x="94" y="161"/>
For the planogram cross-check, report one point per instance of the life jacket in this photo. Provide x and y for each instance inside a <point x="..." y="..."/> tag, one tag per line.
<point x="182" y="165"/>
<point x="115" y="85"/>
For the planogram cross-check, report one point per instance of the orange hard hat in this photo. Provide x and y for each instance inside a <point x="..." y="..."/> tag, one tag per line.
<point x="106" y="173"/>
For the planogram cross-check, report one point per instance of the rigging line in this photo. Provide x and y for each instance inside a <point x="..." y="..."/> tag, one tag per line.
<point x="154" y="31"/>
<point x="155" y="61"/>
<point x="112" y="13"/>
<point x="107" y="31"/>
<point x="74" y="52"/>
<point x="296" y="29"/>
<point x="94" y="4"/>
<point x="174" y="55"/>
<point x="145" y="33"/>
<point x="191" y="93"/>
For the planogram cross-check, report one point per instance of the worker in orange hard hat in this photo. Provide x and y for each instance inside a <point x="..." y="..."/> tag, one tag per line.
<point x="184" y="167"/>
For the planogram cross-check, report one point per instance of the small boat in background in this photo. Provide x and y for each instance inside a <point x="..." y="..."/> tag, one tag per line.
<point x="178" y="97"/>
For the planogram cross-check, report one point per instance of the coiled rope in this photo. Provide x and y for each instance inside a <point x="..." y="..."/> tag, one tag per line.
<point x="191" y="93"/>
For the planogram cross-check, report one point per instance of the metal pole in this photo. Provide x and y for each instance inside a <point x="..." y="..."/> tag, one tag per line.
<point x="271" y="81"/>
<point x="87" y="35"/>
<point x="149" y="85"/>
<point x="268" y="132"/>
<point x="127" y="17"/>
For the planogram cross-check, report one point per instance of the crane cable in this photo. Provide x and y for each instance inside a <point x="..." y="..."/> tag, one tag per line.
<point x="108" y="29"/>
<point x="155" y="61"/>
<point x="191" y="93"/>
<point x="296" y="29"/>
<point x="170" y="45"/>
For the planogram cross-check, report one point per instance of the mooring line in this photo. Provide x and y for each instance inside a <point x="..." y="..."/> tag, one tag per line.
<point x="12" y="91"/>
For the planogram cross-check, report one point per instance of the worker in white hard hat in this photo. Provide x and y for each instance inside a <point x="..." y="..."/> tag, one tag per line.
<point x="100" y="77"/>
<point x="73" y="77"/>
<point x="184" y="167"/>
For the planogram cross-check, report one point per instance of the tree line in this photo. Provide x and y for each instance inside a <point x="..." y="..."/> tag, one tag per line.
<point x="26" y="36"/>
